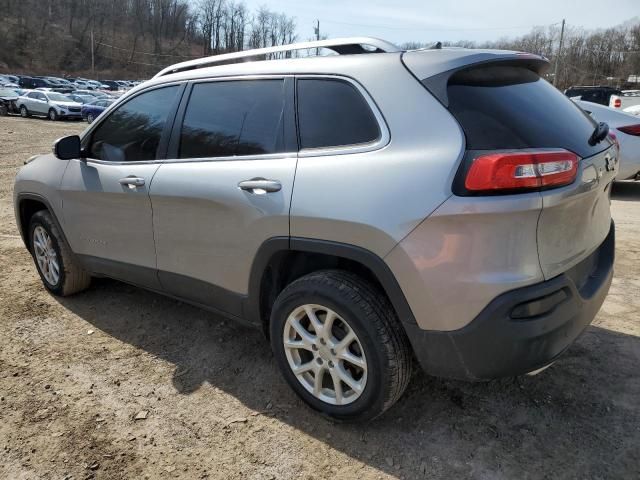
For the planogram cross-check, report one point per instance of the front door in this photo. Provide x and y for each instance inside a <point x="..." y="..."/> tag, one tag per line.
<point x="225" y="189"/>
<point x="106" y="204"/>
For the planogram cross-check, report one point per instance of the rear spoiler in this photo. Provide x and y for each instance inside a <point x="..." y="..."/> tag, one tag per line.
<point x="434" y="68"/>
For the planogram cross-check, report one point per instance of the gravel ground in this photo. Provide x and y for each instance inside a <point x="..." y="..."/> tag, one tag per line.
<point x="77" y="374"/>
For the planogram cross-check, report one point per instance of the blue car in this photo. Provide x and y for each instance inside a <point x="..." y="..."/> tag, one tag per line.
<point x="91" y="110"/>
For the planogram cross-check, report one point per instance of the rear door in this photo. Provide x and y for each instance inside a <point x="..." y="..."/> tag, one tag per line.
<point x="106" y="203"/>
<point x="225" y="187"/>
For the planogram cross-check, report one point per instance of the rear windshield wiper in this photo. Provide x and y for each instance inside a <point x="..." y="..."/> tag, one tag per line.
<point x="599" y="134"/>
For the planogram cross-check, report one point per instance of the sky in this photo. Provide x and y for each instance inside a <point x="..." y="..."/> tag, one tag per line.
<point x="445" y="20"/>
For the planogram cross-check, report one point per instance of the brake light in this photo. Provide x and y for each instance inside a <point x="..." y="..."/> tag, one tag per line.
<point x="631" y="130"/>
<point x="522" y="170"/>
<point x="617" y="103"/>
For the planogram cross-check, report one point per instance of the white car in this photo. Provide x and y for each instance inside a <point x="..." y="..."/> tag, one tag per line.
<point x="626" y="128"/>
<point x="52" y="105"/>
<point x="635" y="110"/>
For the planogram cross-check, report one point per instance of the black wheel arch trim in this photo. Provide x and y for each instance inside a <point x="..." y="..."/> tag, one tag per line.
<point x="24" y="228"/>
<point x="368" y="259"/>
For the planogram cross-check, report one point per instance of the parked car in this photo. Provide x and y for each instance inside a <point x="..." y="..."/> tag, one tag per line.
<point x="8" y="99"/>
<point x="437" y="212"/>
<point x="53" y="105"/>
<point x="626" y="129"/>
<point x="25" y="81"/>
<point x="633" y="110"/>
<point x="625" y="100"/>
<point x="80" y="98"/>
<point x="91" y="110"/>
<point x="594" y="94"/>
<point x="111" y="85"/>
<point x="37" y="82"/>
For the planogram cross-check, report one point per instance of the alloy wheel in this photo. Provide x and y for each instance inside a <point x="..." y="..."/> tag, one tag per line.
<point x="325" y="354"/>
<point x="46" y="255"/>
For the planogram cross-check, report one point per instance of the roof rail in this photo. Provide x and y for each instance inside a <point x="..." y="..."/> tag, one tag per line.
<point x="341" y="46"/>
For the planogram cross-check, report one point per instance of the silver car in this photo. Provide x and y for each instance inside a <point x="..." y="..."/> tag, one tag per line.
<point x="361" y="209"/>
<point x="52" y="105"/>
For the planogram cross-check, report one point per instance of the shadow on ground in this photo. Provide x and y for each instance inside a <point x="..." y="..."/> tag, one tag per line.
<point x="626" y="191"/>
<point x="579" y="417"/>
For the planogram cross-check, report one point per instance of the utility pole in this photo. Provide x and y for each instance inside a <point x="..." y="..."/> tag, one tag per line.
<point x="316" y="30"/>
<point x="93" y="61"/>
<point x="555" y="70"/>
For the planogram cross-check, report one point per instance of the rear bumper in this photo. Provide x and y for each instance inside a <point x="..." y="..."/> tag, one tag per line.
<point x="549" y="317"/>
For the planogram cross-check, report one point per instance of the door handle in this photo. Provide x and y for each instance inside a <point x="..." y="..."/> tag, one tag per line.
<point x="132" y="181"/>
<point x="260" y="186"/>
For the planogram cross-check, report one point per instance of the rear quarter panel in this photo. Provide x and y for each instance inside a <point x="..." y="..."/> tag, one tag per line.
<point x="374" y="199"/>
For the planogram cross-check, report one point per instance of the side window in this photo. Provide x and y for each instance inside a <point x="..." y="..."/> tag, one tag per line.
<point x="228" y="118"/>
<point x="132" y="132"/>
<point x="333" y="113"/>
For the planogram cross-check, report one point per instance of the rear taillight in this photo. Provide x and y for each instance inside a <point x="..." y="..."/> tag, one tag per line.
<point x="617" y="103"/>
<point x="521" y="170"/>
<point x="631" y="130"/>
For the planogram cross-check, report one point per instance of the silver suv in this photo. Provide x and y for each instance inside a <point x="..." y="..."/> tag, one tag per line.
<point x="364" y="209"/>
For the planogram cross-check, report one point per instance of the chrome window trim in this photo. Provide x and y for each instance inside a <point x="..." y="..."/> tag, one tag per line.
<point x="382" y="141"/>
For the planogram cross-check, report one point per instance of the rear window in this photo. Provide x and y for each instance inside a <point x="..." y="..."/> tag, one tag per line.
<point x="508" y="107"/>
<point x="333" y="113"/>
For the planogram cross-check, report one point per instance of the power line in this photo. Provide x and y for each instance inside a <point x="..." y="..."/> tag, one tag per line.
<point x="425" y="27"/>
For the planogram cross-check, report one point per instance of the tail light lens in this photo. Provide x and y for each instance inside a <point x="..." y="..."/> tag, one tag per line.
<point x="522" y="170"/>
<point x="631" y="130"/>
<point x="617" y="103"/>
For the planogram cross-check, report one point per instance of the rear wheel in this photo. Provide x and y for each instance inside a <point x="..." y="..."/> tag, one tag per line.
<point x="56" y="264"/>
<point x="53" y="115"/>
<point x="339" y="345"/>
<point x="24" y="113"/>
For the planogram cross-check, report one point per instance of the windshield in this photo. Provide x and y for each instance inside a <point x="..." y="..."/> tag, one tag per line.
<point x="57" y="97"/>
<point x="7" y="92"/>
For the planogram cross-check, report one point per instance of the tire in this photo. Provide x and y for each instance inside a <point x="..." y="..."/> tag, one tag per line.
<point x="380" y="344"/>
<point x="24" y="113"/>
<point x="52" y="115"/>
<point x="90" y="118"/>
<point x="71" y="277"/>
<point x="4" y="110"/>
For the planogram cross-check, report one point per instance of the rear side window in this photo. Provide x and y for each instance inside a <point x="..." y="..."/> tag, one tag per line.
<point x="132" y="132"/>
<point x="333" y="113"/>
<point x="508" y="107"/>
<point x="231" y="118"/>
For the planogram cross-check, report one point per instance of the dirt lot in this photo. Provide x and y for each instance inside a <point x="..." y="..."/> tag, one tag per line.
<point x="75" y="372"/>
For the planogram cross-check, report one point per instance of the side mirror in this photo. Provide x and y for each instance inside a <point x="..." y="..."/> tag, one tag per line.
<point x="67" y="148"/>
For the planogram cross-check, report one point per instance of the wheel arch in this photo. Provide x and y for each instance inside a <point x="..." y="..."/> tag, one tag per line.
<point x="27" y="205"/>
<point x="281" y="260"/>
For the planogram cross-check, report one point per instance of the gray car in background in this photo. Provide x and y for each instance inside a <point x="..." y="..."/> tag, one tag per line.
<point x="362" y="209"/>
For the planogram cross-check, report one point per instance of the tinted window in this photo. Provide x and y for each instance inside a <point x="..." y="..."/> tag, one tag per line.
<point x="234" y="118"/>
<point x="333" y="113"/>
<point x="503" y="107"/>
<point x="132" y="131"/>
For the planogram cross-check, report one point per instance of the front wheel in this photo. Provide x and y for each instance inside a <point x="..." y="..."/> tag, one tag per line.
<point x="4" y="110"/>
<point x="56" y="263"/>
<point x="339" y="345"/>
<point x="53" y="115"/>
<point x="90" y="118"/>
<point x="24" y="113"/>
